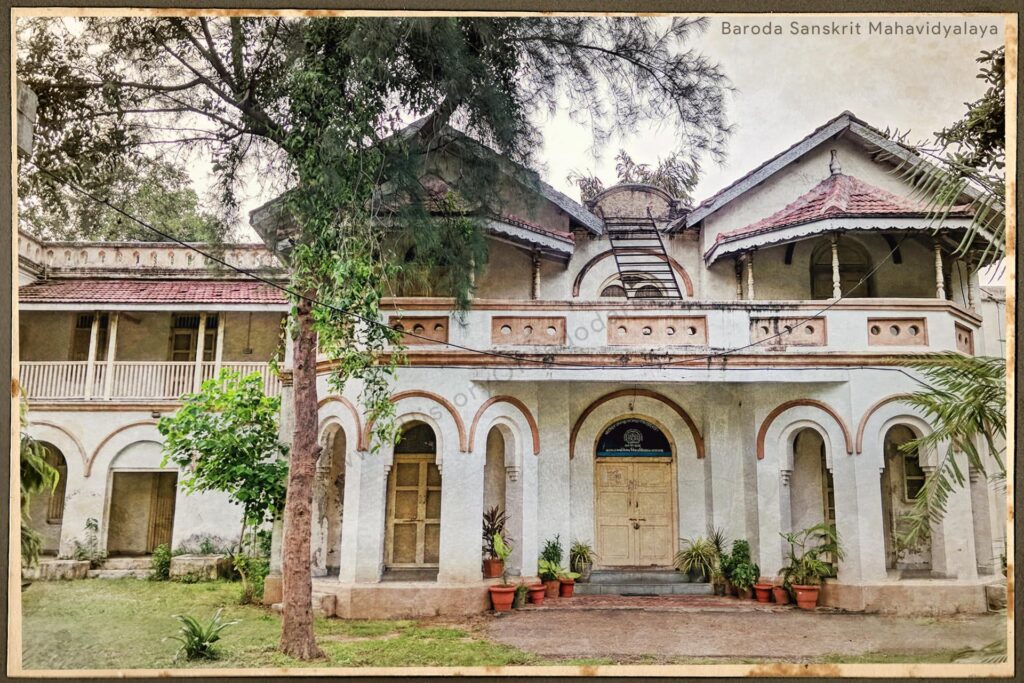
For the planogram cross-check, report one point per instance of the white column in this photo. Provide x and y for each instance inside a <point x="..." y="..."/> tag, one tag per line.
<point x="953" y="553"/>
<point x="972" y="293"/>
<point x="837" y="287"/>
<point x="940" y="278"/>
<point x="90" y="368"/>
<point x="514" y="509"/>
<point x="554" y="514"/>
<point x="857" y="484"/>
<point x="535" y="286"/>
<point x="361" y="558"/>
<point x="108" y="378"/>
<point x="197" y="379"/>
<point x="750" y="275"/>
<point x="529" y="540"/>
<point x="218" y="352"/>
<point x="462" y="509"/>
<point x="770" y="482"/>
<point x="738" y="267"/>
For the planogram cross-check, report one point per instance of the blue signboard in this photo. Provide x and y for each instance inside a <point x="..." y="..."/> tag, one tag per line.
<point x="633" y="438"/>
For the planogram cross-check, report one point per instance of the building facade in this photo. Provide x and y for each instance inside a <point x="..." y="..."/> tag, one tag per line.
<point x="630" y="373"/>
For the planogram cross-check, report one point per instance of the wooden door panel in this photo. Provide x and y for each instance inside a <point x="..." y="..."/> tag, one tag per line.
<point x="615" y="544"/>
<point x="414" y="513"/>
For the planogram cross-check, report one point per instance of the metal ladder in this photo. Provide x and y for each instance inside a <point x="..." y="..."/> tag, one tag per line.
<point x="640" y="256"/>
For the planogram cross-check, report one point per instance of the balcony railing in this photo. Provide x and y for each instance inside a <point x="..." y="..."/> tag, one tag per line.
<point x="131" y="380"/>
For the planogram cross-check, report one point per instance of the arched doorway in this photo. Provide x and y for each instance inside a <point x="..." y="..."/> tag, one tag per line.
<point x="635" y="516"/>
<point x="902" y="478"/>
<point x="47" y="509"/>
<point x="140" y="509"/>
<point x="329" y="503"/>
<point x="413" y="531"/>
<point x="812" y="497"/>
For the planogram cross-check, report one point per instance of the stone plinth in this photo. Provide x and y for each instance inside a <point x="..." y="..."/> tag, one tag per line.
<point x="57" y="570"/>
<point x="203" y="567"/>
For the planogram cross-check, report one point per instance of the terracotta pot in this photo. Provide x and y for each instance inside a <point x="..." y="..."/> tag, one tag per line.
<point x="763" y="592"/>
<point x="744" y="593"/>
<point x="502" y="597"/>
<point x="781" y="595"/>
<point x="536" y="593"/>
<point x="551" y="588"/>
<point x="806" y="596"/>
<point x="492" y="568"/>
<point x="567" y="587"/>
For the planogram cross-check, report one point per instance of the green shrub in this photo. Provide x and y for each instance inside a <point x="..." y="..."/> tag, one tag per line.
<point x="197" y="639"/>
<point x="89" y="549"/>
<point x="253" y="572"/>
<point x="207" y="546"/>
<point x="745" y="575"/>
<point x="161" y="566"/>
<point x="190" y="577"/>
<point x="552" y="551"/>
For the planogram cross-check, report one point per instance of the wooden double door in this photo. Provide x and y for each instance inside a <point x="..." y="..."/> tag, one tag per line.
<point x="635" y="512"/>
<point x="413" y="531"/>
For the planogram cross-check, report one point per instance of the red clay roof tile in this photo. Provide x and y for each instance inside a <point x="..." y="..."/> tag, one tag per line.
<point x="151" y="291"/>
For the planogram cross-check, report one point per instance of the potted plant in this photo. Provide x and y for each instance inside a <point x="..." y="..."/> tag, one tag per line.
<point x="581" y="559"/>
<point x="520" y="596"/>
<point x="537" y="592"/>
<point x="494" y="525"/>
<point x="781" y="594"/>
<point x="698" y="559"/>
<point x="744" y="576"/>
<point x="806" y="563"/>
<point x="502" y="595"/>
<point x="716" y="537"/>
<point x="567" y="582"/>
<point x="739" y="555"/>
<point x="550" y="565"/>
<point x="763" y="591"/>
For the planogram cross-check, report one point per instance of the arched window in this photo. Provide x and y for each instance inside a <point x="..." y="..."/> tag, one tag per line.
<point x="418" y="438"/>
<point x="854" y="266"/>
<point x="633" y="438"/>
<point x="615" y="290"/>
<point x="413" y="521"/>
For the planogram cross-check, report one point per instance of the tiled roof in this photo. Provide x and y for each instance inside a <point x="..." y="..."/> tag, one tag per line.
<point x="151" y="291"/>
<point x="838" y="196"/>
<point x="523" y="223"/>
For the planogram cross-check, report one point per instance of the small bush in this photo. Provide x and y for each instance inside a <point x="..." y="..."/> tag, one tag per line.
<point x="207" y="546"/>
<point x="89" y="549"/>
<point x="552" y="551"/>
<point x="161" y="567"/>
<point x="253" y="572"/>
<point x="197" y="639"/>
<point x="190" y="577"/>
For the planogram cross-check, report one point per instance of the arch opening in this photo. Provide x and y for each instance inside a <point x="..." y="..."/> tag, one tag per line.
<point x="329" y="502"/>
<point x="47" y="509"/>
<point x="854" y="268"/>
<point x="812" y="490"/>
<point x="902" y="478"/>
<point x="413" y="520"/>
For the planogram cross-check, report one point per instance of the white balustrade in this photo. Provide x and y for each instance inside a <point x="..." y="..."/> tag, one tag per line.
<point x="132" y="380"/>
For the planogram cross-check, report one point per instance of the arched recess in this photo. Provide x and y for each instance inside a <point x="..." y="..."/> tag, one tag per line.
<point x="339" y="410"/>
<point x="801" y="402"/>
<point x="428" y="397"/>
<point x="869" y="413"/>
<point x="120" y="438"/>
<point x="698" y="440"/>
<point x="523" y="411"/>
<point x="329" y="498"/>
<point x="676" y="267"/>
<point x="66" y="442"/>
<point x="141" y="497"/>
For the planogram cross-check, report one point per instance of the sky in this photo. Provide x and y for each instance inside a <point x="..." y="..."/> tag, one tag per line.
<point x="787" y="85"/>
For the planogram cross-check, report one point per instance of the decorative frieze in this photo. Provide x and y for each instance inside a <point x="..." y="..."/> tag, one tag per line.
<point x="528" y="330"/>
<point x="423" y="329"/>
<point x="897" y="332"/>
<point x="789" y="331"/>
<point x="657" y="331"/>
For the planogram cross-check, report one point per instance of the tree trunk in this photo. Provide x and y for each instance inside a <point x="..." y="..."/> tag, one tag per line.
<point x="297" y="638"/>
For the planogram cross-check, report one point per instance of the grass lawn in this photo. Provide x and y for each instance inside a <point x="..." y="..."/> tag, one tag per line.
<point x="126" y="624"/>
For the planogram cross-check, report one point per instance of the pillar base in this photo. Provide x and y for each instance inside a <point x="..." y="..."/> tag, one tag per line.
<point x="907" y="597"/>
<point x="272" y="592"/>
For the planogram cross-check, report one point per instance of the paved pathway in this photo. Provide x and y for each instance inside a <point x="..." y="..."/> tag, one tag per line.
<point x="704" y="627"/>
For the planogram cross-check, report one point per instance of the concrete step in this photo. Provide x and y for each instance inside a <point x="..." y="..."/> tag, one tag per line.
<point x="137" y="563"/>
<point x="324" y="605"/>
<point x="604" y="576"/>
<point x="644" y="589"/>
<point x="118" y="574"/>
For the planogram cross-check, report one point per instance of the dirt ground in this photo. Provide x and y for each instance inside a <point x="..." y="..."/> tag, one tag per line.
<point x="790" y="634"/>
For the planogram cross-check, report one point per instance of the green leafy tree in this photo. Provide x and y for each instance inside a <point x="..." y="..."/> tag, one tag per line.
<point x="37" y="477"/>
<point x="964" y="399"/>
<point x="323" y="105"/>
<point x="225" y="438"/>
<point x="158" y="192"/>
<point x="676" y="174"/>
